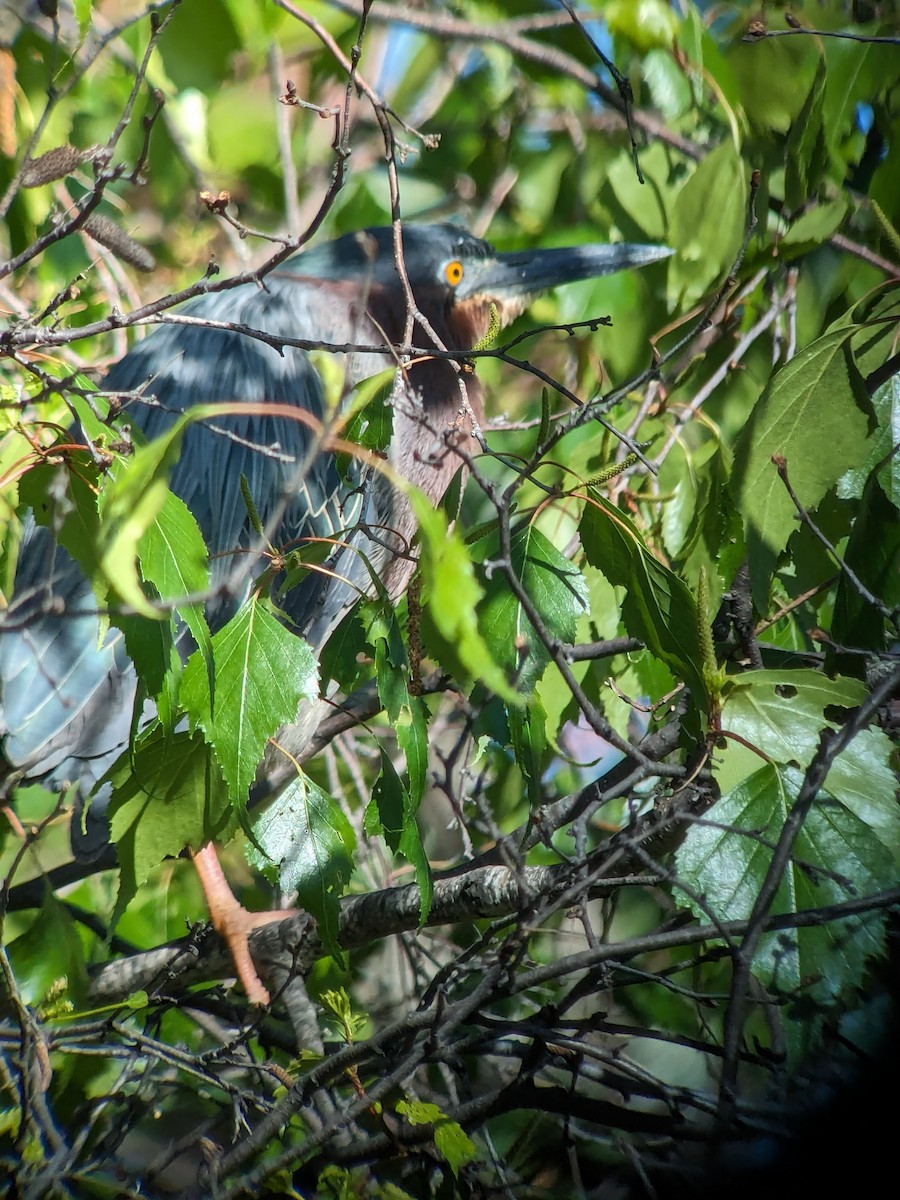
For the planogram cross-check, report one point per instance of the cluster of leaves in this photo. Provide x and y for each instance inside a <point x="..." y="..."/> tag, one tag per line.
<point x="655" y="648"/>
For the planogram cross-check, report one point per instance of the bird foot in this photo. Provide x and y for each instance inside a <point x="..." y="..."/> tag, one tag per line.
<point x="234" y="923"/>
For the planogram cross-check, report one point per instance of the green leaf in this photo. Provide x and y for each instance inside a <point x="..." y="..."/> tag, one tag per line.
<point x="391" y="667"/>
<point x="782" y="713"/>
<point x="836" y="856"/>
<point x="528" y="735"/>
<point x="411" y="729"/>
<point x="135" y="494"/>
<point x="128" y="507"/>
<point x="392" y="813"/>
<point x="167" y="795"/>
<point x="669" y="86"/>
<point x="856" y="72"/>
<point x="457" y="1148"/>
<point x="788" y="67"/>
<point x="451" y="1141"/>
<point x="372" y="423"/>
<point x="864" y="780"/>
<point x="47" y="952"/>
<point x="873" y="554"/>
<point x="813" y="227"/>
<point x="806" y="156"/>
<point x="555" y="586"/>
<point x="881" y="456"/>
<point x="453" y="595"/>
<point x="707" y="248"/>
<point x="151" y="648"/>
<point x="658" y="608"/>
<point x="810" y="416"/>
<point x="173" y="558"/>
<point x="262" y="672"/>
<point x="646" y="24"/>
<point x="63" y="498"/>
<point x="701" y="525"/>
<point x="876" y="317"/>
<point x="306" y="843"/>
<point x="407" y="713"/>
<point x="83" y="10"/>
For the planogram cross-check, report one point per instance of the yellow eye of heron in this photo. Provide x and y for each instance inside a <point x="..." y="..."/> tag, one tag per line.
<point x="453" y="272"/>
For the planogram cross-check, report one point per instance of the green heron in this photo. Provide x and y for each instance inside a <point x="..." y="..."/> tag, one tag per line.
<point x="68" y="700"/>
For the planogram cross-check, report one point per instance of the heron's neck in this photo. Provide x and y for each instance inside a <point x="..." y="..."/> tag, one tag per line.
<point x="435" y="409"/>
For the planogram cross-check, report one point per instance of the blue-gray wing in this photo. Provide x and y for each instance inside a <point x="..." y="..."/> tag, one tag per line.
<point x="67" y="701"/>
<point x="294" y="483"/>
<point x="67" y="698"/>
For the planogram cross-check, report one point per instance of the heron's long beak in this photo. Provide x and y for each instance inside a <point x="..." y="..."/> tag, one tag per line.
<point x="524" y="273"/>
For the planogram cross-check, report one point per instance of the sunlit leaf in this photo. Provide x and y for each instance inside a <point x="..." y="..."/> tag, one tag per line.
<point x="555" y="587"/>
<point x="658" y="608"/>
<point x="455" y="1146"/>
<point x="454" y="594"/>
<point x="810" y="416"/>
<point x="306" y="844"/>
<point x="167" y="795"/>
<point x="836" y="857"/>
<point x="262" y="672"/>
<point x="706" y="249"/>
<point x="49" y="950"/>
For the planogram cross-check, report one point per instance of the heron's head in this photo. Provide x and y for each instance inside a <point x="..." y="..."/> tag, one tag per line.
<point x="457" y="278"/>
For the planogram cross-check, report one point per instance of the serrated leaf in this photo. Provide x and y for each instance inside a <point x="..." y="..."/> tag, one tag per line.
<point x="344" y="654"/>
<point x="392" y="814"/>
<point x="555" y="586"/>
<point x="806" y="156"/>
<point x="262" y="672"/>
<point x="810" y="416"/>
<point x="49" y="950"/>
<point x="707" y="249"/>
<point x="128" y="507"/>
<point x="455" y="1145"/>
<point x="420" y="1112"/>
<point x="167" y="795"/>
<point x="372" y="422"/>
<point x="528" y="735"/>
<point x="135" y="493"/>
<point x="151" y="648"/>
<point x="658" y="608"/>
<point x="451" y="1141"/>
<point x="391" y="666"/>
<point x="881" y="456"/>
<point x="173" y="558"/>
<point x="411" y="729"/>
<point x="836" y="856"/>
<point x="63" y="498"/>
<point x="306" y="844"/>
<point x="862" y="778"/>
<point x="813" y="227"/>
<point x="454" y="594"/>
<point x="873" y="555"/>
<point x="406" y="713"/>
<point x="783" y="712"/>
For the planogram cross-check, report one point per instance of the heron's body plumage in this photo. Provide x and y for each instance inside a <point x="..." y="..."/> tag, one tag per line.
<point x="68" y="695"/>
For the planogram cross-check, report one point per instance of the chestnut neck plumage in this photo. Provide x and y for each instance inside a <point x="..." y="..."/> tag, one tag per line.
<point x="437" y="405"/>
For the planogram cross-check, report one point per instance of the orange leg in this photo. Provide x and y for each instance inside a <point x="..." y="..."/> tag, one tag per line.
<point x="232" y="921"/>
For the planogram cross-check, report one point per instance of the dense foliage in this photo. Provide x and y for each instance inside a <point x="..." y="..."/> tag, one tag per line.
<point x="600" y="845"/>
